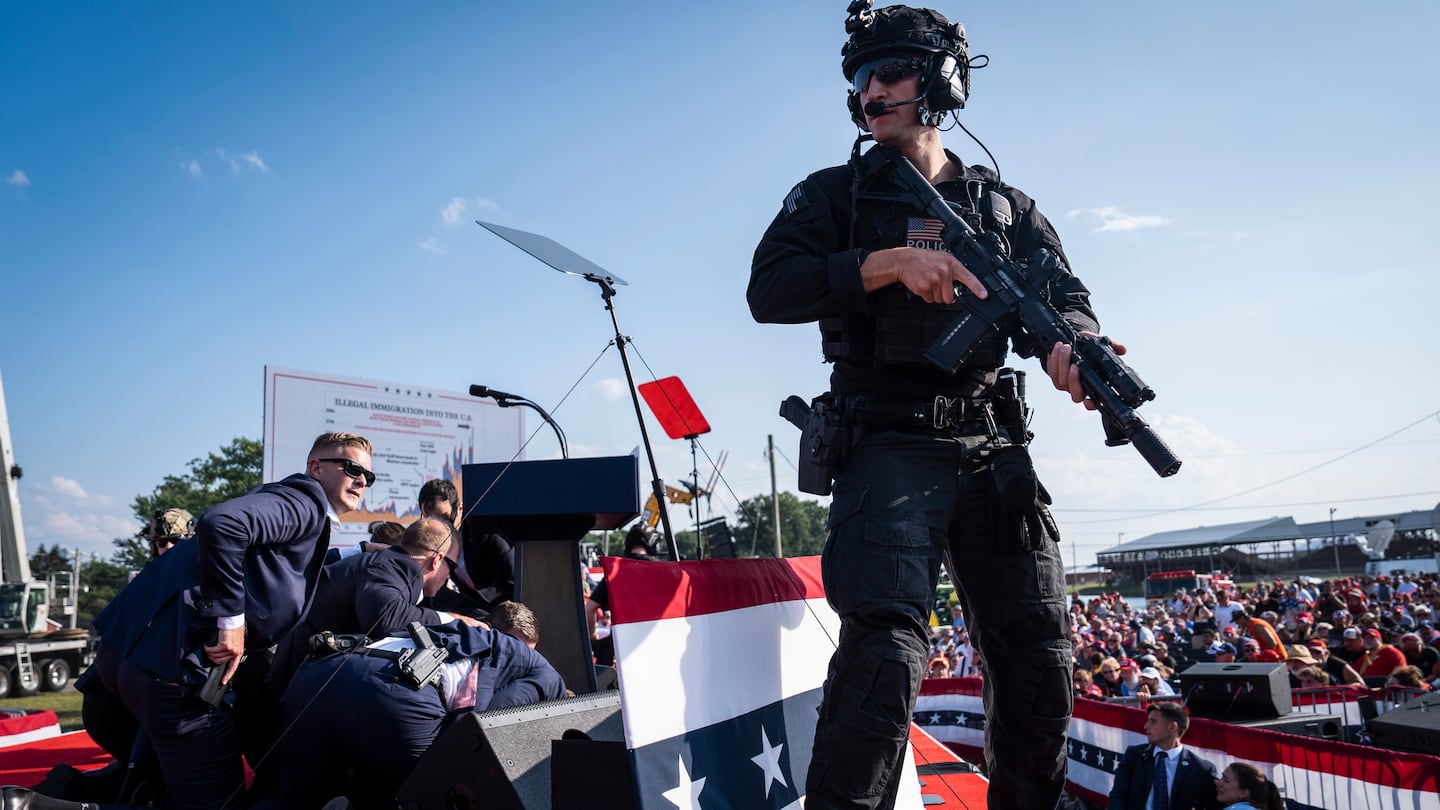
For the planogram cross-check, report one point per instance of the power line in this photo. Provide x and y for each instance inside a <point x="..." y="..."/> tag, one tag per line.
<point x="1269" y="505"/>
<point x="1290" y="477"/>
<point x="1294" y="450"/>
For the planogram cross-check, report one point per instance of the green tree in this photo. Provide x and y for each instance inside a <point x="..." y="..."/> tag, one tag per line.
<point x="100" y="580"/>
<point x="802" y="526"/>
<point x="47" y="561"/>
<point x="218" y="477"/>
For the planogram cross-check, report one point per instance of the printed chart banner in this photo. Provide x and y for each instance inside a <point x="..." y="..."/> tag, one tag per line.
<point x="418" y="434"/>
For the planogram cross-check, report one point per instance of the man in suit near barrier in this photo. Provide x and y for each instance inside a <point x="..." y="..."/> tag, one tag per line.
<point x="244" y="582"/>
<point x="1162" y="774"/>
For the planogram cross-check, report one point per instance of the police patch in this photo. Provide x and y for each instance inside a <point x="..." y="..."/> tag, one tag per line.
<point x="795" y="200"/>
<point x="925" y="233"/>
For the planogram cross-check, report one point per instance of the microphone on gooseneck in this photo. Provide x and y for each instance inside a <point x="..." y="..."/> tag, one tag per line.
<point x="485" y="392"/>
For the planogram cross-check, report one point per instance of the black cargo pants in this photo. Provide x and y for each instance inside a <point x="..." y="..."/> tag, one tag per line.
<point x="904" y="502"/>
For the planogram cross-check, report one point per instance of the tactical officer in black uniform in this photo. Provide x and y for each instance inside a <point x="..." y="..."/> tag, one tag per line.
<point x="934" y="463"/>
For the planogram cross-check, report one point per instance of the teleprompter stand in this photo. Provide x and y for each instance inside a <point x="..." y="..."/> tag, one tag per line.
<point x="571" y="263"/>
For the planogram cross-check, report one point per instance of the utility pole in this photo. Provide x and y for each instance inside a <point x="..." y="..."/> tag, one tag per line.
<point x="1334" y="541"/>
<point x="1074" y="568"/>
<point x="774" y="497"/>
<point x="75" y="592"/>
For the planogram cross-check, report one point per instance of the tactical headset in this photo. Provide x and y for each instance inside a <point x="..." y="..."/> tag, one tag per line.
<point x="897" y="30"/>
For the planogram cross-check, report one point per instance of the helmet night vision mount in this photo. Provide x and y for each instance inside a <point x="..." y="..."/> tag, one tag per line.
<point x="920" y="32"/>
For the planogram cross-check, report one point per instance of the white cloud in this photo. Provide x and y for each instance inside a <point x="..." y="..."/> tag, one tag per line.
<point x="1112" y="219"/>
<point x="64" y="528"/>
<point x="192" y="168"/>
<point x="18" y="179"/>
<point x="452" y="212"/>
<point x="243" y="163"/>
<point x="67" y="488"/>
<point x="611" y="388"/>
<point x="60" y="512"/>
<point x="431" y="244"/>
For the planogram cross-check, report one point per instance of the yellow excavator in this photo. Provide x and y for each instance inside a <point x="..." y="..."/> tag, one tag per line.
<point x="686" y="496"/>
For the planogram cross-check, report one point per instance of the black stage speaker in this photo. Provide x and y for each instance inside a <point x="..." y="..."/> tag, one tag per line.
<point x="502" y="759"/>
<point x="718" y="539"/>
<point x="1412" y="726"/>
<point x="1320" y="726"/>
<point x="1236" y="691"/>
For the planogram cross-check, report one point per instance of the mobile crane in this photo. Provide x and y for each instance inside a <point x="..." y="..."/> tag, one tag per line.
<point x="35" y="651"/>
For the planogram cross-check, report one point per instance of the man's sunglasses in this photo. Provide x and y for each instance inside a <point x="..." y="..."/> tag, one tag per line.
<point x="354" y="470"/>
<point x="889" y="70"/>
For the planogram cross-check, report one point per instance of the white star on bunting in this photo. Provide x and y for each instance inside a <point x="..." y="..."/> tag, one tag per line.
<point x="769" y="760"/>
<point x="685" y="795"/>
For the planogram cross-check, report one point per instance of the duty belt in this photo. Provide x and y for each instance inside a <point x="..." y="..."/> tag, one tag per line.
<point x="938" y="413"/>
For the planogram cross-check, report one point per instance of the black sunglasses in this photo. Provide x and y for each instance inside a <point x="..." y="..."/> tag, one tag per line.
<point x="354" y="470"/>
<point x="889" y="69"/>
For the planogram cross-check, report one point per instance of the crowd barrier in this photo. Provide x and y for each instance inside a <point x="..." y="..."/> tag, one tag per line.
<point x="1311" y="773"/>
<point x="21" y="726"/>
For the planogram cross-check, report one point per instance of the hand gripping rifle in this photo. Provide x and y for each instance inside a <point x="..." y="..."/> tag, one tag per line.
<point x="1111" y="384"/>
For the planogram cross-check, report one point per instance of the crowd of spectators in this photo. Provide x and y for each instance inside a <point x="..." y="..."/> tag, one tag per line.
<point x="1357" y="632"/>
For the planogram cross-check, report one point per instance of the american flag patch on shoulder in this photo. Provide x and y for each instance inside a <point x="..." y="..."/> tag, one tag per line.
<point x="795" y="200"/>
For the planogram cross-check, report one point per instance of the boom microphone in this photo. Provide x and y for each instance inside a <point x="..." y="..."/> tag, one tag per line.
<point x="484" y="392"/>
<point x="874" y="108"/>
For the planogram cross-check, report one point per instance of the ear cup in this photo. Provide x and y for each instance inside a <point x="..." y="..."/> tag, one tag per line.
<point x="947" y="86"/>
<point x="852" y="101"/>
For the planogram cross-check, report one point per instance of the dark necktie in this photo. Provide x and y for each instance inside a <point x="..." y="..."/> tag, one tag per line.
<point x="1159" y="786"/>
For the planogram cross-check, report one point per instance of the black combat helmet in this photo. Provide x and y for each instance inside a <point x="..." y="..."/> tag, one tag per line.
<point x="938" y="45"/>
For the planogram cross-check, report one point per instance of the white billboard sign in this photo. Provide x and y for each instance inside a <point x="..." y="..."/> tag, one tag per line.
<point x="418" y="434"/>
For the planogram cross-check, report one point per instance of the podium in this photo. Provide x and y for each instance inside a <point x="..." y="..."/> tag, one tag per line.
<point x="545" y="508"/>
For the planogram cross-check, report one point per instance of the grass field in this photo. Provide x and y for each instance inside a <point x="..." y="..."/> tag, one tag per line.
<point x="66" y="706"/>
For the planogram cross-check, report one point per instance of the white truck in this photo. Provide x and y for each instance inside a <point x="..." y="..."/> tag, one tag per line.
<point x="35" y="652"/>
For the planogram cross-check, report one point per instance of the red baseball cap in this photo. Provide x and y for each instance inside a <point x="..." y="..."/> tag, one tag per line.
<point x="1372" y="632"/>
<point x="1128" y="663"/>
<point x="1316" y="644"/>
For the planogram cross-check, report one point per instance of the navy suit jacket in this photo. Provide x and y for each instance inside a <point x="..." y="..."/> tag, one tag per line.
<point x="258" y="554"/>
<point x="1194" y="786"/>
<point x="374" y="593"/>
<point x="510" y="673"/>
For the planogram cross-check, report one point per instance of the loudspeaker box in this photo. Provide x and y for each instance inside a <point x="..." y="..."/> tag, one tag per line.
<point x="1236" y="691"/>
<point x="1412" y="726"/>
<point x="502" y="759"/>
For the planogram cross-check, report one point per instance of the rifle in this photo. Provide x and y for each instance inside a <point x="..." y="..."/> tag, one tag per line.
<point x="1112" y="385"/>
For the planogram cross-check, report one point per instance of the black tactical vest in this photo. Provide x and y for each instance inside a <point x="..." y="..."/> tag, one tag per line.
<point x="898" y="327"/>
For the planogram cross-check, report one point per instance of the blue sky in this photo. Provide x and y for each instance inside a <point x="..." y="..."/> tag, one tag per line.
<point x="194" y="191"/>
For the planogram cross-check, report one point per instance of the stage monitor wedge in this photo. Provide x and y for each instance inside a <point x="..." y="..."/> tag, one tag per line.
<point x="502" y="760"/>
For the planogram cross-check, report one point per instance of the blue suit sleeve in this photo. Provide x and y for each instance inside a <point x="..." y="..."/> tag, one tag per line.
<point x="385" y="601"/>
<point x="527" y="677"/>
<point x="226" y="533"/>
